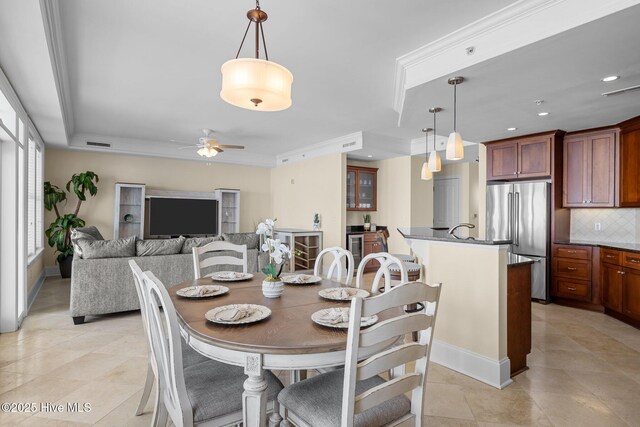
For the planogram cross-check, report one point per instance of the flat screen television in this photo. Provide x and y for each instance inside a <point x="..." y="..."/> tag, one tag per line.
<point x="186" y="217"/>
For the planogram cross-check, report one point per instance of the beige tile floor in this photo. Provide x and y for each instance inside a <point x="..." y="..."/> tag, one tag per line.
<point x="585" y="371"/>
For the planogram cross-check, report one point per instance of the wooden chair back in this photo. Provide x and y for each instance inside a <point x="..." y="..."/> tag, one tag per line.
<point x="200" y="264"/>
<point x="167" y="350"/>
<point x="385" y="260"/>
<point x="387" y="360"/>
<point x="336" y="267"/>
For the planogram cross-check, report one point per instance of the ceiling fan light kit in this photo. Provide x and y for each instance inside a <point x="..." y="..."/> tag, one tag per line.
<point x="254" y="83"/>
<point x="455" y="146"/>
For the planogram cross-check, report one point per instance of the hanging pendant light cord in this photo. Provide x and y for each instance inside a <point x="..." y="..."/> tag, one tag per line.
<point x="434" y="130"/>
<point x="455" y="107"/>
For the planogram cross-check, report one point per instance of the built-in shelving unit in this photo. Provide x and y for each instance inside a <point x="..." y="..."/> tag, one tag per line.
<point x="305" y="246"/>
<point x="228" y="210"/>
<point x="129" y="210"/>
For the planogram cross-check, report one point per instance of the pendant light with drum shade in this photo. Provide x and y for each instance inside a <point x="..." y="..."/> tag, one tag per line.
<point x="254" y="83"/>
<point x="434" y="163"/>
<point x="426" y="173"/>
<point x="455" y="146"/>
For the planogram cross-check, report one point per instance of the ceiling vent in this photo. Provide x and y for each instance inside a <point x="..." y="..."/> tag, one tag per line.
<point x="621" y="91"/>
<point x="98" y="144"/>
<point x="348" y="144"/>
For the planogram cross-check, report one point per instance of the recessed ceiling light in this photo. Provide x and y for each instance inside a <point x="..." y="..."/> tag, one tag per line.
<point x="370" y="155"/>
<point x="610" y="78"/>
<point x="543" y="113"/>
<point x="511" y="129"/>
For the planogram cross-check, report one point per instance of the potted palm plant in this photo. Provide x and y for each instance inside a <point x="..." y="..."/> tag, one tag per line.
<point x="59" y="231"/>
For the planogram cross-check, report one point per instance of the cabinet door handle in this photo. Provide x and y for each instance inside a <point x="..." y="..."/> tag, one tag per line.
<point x="572" y="289"/>
<point x="571" y="268"/>
<point x="572" y="252"/>
<point x="634" y="260"/>
<point x="515" y="173"/>
<point x="623" y="273"/>
<point x="609" y="256"/>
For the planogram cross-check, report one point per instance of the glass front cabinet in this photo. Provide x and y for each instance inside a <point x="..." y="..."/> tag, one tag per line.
<point x="361" y="188"/>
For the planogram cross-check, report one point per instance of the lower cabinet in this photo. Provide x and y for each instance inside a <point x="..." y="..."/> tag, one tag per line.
<point x="572" y="273"/>
<point x="612" y="287"/>
<point x="620" y="279"/>
<point x="518" y="316"/>
<point x="370" y="246"/>
<point x="631" y="293"/>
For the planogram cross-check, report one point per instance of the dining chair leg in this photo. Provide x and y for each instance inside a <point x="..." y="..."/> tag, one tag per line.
<point x="163" y="415"/>
<point x="285" y="421"/>
<point x="275" y="419"/>
<point x="148" y="385"/>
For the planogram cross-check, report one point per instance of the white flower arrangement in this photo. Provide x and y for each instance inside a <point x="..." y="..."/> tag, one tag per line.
<point x="278" y="251"/>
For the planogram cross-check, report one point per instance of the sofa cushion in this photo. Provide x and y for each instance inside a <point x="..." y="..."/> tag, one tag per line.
<point x="88" y="233"/>
<point x="159" y="246"/>
<point x="117" y="248"/>
<point x="196" y="242"/>
<point x="252" y="240"/>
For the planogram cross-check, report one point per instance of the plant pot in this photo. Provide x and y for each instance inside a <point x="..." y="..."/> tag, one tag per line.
<point x="65" y="267"/>
<point x="367" y="226"/>
<point x="316" y="226"/>
<point x="272" y="289"/>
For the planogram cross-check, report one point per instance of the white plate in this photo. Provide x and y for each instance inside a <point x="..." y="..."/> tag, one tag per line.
<point x="219" y="276"/>
<point x="354" y="292"/>
<point x="317" y="316"/>
<point x="260" y="312"/>
<point x="310" y="279"/>
<point x="216" y="291"/>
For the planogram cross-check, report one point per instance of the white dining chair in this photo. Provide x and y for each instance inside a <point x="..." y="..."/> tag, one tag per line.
<point x="336" y="267"/>
<point x="189" y="356"/>
<point x="200" y="264"/>
<point x="358" y="395"/>
<point x="208" y="393"/>
<point x="385" y="260"/>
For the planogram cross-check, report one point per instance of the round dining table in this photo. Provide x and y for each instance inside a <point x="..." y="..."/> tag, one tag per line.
<point x="286" y="340"/>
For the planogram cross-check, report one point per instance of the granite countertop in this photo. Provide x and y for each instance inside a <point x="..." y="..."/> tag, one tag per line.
<point x="427" y="233"/>
<point x="614" y="245"/>
<point x="515" y="259"/>
<point x="359" y="229"/>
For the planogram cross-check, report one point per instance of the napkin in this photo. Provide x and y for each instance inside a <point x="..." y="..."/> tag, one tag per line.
<point x="299" y="278"/>
<point x="334" y="316"/>
<point x="229" y="275"/>
<point x="200" y="291"/>
<point x="235" y="314"/>
<point x="341" y="293"/>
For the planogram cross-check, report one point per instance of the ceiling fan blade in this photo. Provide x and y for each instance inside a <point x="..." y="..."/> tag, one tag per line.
<point x="238" y="147"/>
<point x="189" y="146"/>
<point x="218" y="149"/>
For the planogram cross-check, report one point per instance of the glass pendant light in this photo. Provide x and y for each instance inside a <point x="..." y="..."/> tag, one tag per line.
<point x="455" y="147"/>
<point x="434" y="163"/>
<point x="426" y="173"/>
<point x="254" y="83"/>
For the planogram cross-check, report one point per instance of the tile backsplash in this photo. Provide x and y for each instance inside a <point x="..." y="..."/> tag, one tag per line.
<point x="616" y="225"/>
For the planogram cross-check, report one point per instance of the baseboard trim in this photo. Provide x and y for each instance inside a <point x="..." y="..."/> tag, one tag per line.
<point x="52" y="271"/>
<point x="495" y="373"/>
<point x="33" y="293"/>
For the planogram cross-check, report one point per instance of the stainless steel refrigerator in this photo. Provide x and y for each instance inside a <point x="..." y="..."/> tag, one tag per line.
<point x="520" y="212"/>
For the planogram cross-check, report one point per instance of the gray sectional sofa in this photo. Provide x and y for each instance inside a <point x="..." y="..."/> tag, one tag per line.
<point x="102" y="282"/>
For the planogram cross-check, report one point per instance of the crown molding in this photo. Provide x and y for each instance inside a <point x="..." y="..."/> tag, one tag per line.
<point x="341" y="144"/>
<point x="519" y="24"/>
<point x="52" y="29"/>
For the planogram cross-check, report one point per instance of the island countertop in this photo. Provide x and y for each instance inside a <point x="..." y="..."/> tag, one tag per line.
<point x="427" y="233"/>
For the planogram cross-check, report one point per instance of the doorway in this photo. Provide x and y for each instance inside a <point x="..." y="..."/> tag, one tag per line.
<point x="446" y="202"/>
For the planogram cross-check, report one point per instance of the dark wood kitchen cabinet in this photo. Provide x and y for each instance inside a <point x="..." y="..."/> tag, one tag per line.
<point x="572" y="274"/>
<point x="362" y="188"/>
<point x="612" y="287"/>
<point x="620" y="281"/>
<point x="589" y="172"/>
<point x="520" y="158"/>
<point x="629" y="177"/>
<point x="370" y="246"/>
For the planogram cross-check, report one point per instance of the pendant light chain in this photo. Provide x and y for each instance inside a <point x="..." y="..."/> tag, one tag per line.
<point x="434" y="130"/>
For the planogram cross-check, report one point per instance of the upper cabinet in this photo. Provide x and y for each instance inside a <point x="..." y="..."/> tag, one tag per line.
<point x="589" y="171"/>
<point x="362" y="188"/>
<point x="526" y="157"/>
<point x="629" y="190"/>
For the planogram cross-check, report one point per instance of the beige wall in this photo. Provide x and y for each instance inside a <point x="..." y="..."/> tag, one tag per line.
<point x="34" y="271"/>
<point x="157" y="173"/>
<point x="421" y="195"/>
<point x="300" y="189"/>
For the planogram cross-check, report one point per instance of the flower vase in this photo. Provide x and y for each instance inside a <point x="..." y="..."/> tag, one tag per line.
<point x="272" y="289"/>
<point x="316" y="226"/>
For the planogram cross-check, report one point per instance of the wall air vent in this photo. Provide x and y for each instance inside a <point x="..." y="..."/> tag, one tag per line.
<point x="285" y="160"/>
<point x="348" y="144"/>
<point x="621" y="91"/>
<point x="98" y="144"/>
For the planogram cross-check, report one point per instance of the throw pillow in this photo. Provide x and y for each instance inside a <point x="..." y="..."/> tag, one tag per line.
<point x="252" y="240"/>
<point x="159" y="246"/>
<point x="196" y="242"/>
<point x="88" y="233"/>
<point x="117" y="248"/>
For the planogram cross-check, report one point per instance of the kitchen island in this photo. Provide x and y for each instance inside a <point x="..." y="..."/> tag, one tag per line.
<point x="484" y="318"/>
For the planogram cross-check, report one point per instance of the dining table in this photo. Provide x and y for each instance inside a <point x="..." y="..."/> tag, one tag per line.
<point x="286" y="340"/>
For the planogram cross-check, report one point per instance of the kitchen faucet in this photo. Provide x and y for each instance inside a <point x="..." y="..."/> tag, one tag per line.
<point x="464" y="224"/>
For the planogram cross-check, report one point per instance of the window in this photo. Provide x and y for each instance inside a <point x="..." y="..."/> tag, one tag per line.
<point x="7" y="117"/>
<point x="34" y="200"/>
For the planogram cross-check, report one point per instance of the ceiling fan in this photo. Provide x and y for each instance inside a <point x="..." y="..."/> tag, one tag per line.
<point x="208" y="145"/>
